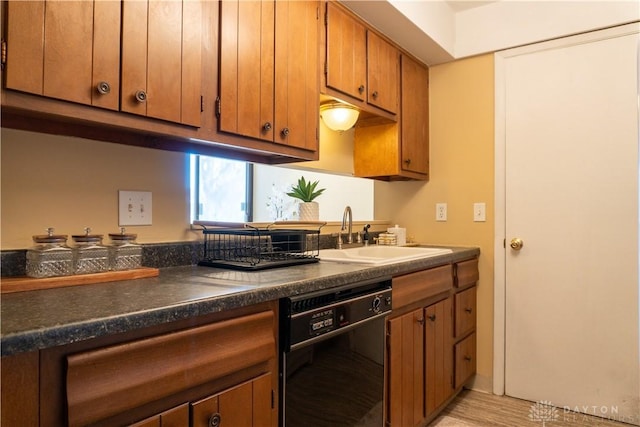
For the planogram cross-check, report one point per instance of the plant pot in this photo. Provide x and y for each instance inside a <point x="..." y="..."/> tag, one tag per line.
<point x="309" y="211"/>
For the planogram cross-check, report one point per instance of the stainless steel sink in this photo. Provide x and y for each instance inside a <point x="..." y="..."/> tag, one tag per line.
<point x="379" y="255"/>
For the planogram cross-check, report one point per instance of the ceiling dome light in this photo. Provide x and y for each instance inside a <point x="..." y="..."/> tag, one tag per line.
<point x="338" y="116"/>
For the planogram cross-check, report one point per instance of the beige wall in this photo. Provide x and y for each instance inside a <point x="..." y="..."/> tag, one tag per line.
<point x="462" y="169"/>
<point x="71" y="183"/>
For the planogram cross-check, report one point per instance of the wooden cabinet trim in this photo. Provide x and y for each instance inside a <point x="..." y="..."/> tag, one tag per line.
<point x="421" y="285"/>
<point x="131" y="374"/>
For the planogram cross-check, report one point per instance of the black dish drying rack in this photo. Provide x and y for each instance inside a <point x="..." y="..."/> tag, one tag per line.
<point x="280" y="244"/>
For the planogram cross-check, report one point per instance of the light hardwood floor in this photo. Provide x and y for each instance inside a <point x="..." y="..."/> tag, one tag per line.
<point x="477" y="409"/>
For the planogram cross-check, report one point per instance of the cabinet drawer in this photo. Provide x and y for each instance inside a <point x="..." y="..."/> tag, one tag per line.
<point x="132" y="374"/>
<point x="423" y="284"/>
<point x="466" y="273"/>
<point x="465" y="354"/>
<point x="465" y="309"/>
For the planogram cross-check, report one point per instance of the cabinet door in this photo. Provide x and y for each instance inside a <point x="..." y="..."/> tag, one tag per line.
<point x="296" y="73"/>
<point x="161" y="62"/>
<point x="176" y="417"/>
<point x="406" y="369"/>
<point x="246" y="104"/>
<point x="414" y="116"/>
<point x="346" y="62"/>
<point x="48" y="56"/>
<point x="438" y="354"/>
<point x="383" y="72"/>
<point x="246" y="405"/>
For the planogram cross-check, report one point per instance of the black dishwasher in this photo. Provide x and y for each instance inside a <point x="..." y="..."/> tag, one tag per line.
<point x="332" y="356"/>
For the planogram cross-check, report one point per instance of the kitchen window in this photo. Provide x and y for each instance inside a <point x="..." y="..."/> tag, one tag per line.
<point x="225" y="190"/>
<point x="221" y="189"/>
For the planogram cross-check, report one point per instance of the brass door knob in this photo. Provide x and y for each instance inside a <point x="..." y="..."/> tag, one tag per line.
<point x="516" y="244"/>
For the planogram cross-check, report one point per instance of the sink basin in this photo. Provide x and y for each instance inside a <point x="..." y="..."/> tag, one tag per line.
<point x="379" y="255"/>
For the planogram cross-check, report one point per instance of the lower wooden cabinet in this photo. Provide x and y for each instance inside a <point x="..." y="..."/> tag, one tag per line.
<point x="430" y="342"/>
<point x="186" y="373"/>
<point x="465" y="360"/>
<point x="176" y="417"/>
<point x="248" y="404"/>
<point x="405" y="338"/>
<point x="439" y="354"/>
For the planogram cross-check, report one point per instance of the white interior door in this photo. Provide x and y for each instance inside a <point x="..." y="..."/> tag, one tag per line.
<point x="571" y="194"/>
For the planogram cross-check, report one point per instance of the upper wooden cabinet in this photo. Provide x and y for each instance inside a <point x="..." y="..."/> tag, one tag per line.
<point x="269" y="76"/>
<point x="383" y="69"/>
<point x="346" y="61"/>
<point x="58" y="50"/>
<point x="161" y="59"/>
<point x="72" y="51"/>
<point x="360" y="63"/>
<point x="414" y="120"/>
<point x="396" y="151"/>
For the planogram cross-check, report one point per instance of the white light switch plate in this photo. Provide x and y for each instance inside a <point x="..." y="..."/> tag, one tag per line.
<point x="134" y="208"/>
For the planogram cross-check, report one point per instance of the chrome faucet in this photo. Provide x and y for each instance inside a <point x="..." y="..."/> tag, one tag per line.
<point x="347" y="212"/>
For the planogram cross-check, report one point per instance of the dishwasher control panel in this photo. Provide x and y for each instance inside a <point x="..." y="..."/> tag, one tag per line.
<point x="308" y="318"/>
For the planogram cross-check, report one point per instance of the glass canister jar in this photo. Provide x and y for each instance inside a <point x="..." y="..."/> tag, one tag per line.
<point x="124" y="252"/>
<point x="89" y="254"/>
<point x="50" y="256"/>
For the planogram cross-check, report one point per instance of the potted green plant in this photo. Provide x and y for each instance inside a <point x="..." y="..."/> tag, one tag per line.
<point x="307" y="192"/>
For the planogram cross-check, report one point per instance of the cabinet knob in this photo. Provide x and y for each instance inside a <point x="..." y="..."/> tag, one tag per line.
<point x="361" y="88"/>
<point x="375" y="94"/>
<point x="468" y="310"/>
<point x="214" y="420"/>
<point x="408" y="161"/>
<point x="285" y="132"/>
<point x="141" y="96"/>
<point x="467" y="358"/>
<point x="420" y="321"/>
<point x="266" y="127"/>
<point x="432" y="317"/>
<point x="103" y="88"/>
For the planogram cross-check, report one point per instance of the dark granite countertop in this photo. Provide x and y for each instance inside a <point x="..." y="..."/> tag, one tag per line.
<point x="46" y="318"/>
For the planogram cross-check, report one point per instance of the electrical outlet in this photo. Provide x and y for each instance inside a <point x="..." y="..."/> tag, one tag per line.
<point x="479" y="212"/>
<point x="441" y="211"/>
<point x="134" y="208"/>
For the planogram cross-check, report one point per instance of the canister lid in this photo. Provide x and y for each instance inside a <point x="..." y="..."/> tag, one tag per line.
<point x="50" y="237"/>
<point x="122" y="236"/>
<point x="87" y="237"/>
